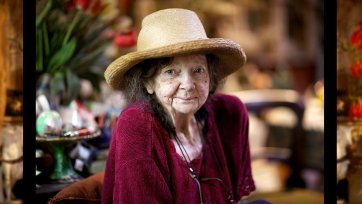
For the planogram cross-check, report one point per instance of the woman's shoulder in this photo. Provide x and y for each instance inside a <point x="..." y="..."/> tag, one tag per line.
<point x="133" y="131"/>
<point x="136" y="117"/>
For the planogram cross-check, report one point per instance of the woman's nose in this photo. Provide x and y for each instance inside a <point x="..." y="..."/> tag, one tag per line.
<point x="187" y="82"/>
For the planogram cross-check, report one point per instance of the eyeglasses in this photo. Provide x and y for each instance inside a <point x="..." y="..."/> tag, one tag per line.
<point x="229" y="194"/>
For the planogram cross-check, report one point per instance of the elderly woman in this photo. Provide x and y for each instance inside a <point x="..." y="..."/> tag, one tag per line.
<point x="177" y="142"/>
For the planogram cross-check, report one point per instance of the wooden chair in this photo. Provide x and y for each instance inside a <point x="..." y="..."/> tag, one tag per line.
<point x="257" y="101"/>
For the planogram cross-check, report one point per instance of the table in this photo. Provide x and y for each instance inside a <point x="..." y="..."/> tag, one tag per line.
<point x="63" y="170"/>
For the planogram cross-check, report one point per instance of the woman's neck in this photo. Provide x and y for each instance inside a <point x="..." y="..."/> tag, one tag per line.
<point x="185" y="125"/>
<point x="188" y="137"/>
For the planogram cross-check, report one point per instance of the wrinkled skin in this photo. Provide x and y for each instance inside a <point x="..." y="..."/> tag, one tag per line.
<point x="182" y="88"/>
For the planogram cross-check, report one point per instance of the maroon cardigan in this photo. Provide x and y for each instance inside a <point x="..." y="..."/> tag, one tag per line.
<point x="143" y="166"/>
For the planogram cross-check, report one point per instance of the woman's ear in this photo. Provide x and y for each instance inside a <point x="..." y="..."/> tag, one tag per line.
<point x="149" y="87"/>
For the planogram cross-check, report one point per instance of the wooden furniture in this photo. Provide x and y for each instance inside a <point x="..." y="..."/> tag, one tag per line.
<point x="3" y="15"/>
<point x="259" y="100"/>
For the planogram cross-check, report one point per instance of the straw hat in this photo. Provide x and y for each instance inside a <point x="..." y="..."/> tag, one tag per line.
<point x="172" y="32"/>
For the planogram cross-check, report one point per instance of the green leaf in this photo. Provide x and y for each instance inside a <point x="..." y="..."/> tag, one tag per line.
<point x="56" y="40"/>
<point x="84" y="63"/>
<point x="60" y="58"/>
<point x="46" y="39"/>
<point x="72" y="26"/>
<point x="57" y="84"/>
<point x="72" y="82"/>
<point x="39" y="51"/>
<point x="40" y="18"/>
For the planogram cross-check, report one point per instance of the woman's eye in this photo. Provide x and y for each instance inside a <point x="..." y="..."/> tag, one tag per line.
<point x="199" y="70"/>
<point x="169" y="72"/>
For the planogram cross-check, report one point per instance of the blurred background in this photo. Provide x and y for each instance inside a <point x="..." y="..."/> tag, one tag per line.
<point x="282" y="86"/>
<point x="349" y="101"/>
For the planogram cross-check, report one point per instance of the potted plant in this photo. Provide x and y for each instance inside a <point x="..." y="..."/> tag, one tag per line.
<point x="70" y="37"/>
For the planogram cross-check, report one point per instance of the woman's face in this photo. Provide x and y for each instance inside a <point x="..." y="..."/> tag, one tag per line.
<point x="183" y="86"/>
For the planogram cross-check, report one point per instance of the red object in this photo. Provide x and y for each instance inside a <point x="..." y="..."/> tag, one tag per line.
<point x="83" y="4"/>
<point x="355" y="110"/>
<point x="125" y="39"/>
<point x="356" y="68"/>
<point x="356" y="38"/>
<point x="69" y="5"/>
<point x="143" y="166"/>
<point x="94" y="7"/>
<point x="353" y="69"/>
<point x="83" y="132"/>
<point x="359" y="67"/>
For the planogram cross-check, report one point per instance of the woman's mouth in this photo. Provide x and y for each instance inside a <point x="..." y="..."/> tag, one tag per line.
<point x="187" y="99"/>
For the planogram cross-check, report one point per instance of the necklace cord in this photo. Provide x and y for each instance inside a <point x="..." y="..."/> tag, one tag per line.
<point x="191" y="169"/>
<point x="194" y="175"/>
<point x="229" y="192"/>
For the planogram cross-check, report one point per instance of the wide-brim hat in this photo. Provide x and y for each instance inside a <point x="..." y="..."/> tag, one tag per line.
<point x="171" y="32"/>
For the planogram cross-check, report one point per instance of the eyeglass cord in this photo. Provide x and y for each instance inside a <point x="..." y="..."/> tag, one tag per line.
<point x="228" y="191"/>
<point x="230" y="197"/>
<point x="194" y="175"/>
<point x="191" y="169"/>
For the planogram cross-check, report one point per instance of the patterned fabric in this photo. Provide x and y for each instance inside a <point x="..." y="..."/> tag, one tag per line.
<point x="143" y="166"/>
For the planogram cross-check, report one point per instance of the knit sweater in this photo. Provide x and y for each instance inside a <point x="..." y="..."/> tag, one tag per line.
<point x="143" y="166"/>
